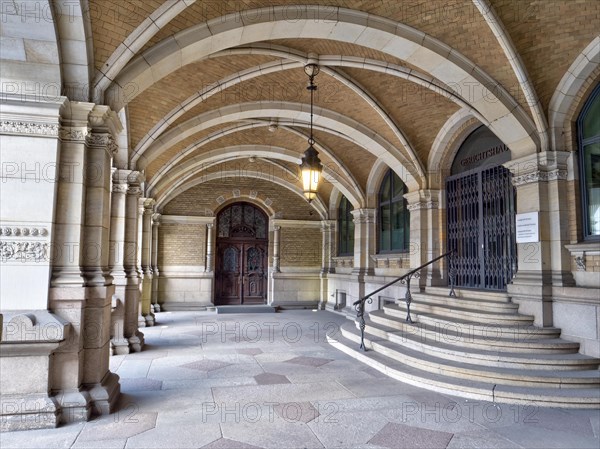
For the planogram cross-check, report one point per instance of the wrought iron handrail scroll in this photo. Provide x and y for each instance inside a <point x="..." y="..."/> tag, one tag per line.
<point x="359" y="304"/>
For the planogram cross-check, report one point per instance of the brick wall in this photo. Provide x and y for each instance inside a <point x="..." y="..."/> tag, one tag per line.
<point x="180" y="244"/>
<point x="300" y="247"/>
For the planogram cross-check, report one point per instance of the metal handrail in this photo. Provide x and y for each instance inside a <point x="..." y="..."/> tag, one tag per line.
<point x="359" y="304"/>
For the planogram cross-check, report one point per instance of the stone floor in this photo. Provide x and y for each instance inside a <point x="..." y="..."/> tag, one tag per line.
<point x="272" y="381"/>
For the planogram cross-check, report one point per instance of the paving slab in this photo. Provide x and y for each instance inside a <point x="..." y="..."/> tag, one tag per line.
<point x="253" y="393"/>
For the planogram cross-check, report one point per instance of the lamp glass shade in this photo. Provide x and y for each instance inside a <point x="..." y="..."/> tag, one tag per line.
<point x="311" y="168"/>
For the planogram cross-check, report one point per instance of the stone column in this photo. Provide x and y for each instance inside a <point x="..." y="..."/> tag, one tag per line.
<point x="541" y="183"/>
<point x="364" y="241"/>
<point x="425" y="242"/>
<point x="133" y="316"/>
<point x="155" y="271"/>
<point x="209" y="248"/>
<point x="102" y="385"/>
<point x="67" y="285"/>
<point x="328" y="240"/>
<point x="276" y="248"/>
<point x="146" y="260"/>
<point x="364" y="247"/>
<point x="119" y="343"/>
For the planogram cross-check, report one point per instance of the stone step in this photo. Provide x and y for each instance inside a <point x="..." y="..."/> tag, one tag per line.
<point x="482" y="357"/>
<point x="469" y="327"/>
<point x="571" y="378"/>
<point x="480" y="389"/>
<point x="466" y="303"/>
<point x="455" y="311"/>
<point x="466" y="293"/>
<point x="496" y="341"/>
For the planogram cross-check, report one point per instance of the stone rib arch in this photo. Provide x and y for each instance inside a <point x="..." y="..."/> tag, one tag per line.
<point x="215" y="157"/>
<point x="404" y="42"/>
<point x="566" y="92"/>
<point x="298" y="114"/>
<point x="134" y="43"/>
<point x="514" y="59"/>
<point x="376" y="175"/>
<point x="446" y="144"/>
<point x="74" y="31"/>
<point x="344" y="173"/>
<point x="163" y="199"/>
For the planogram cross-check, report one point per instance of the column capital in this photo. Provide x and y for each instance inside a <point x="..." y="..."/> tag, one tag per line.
<point x="210" y="225"/>
<point x="148" y="204"/>
<point x="327" y="225"/>
<point x="156" y="219"/>
<point x="540" y="167"/>
<point x="423" y="199"/>
<point x="74" y="121"/>
<point x="363" y="215"/>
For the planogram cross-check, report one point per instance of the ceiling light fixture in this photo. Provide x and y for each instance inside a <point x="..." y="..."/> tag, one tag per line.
<point x="311" y="166"/>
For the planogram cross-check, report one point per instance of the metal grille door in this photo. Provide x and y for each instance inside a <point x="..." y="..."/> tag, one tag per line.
<point x="481" y="227"/>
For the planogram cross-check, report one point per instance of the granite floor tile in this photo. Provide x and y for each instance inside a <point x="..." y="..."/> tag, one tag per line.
<point x="400" y="436"/>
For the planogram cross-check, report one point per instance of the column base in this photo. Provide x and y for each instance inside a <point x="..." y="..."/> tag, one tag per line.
<point x="75" y="405"/>
<point x="156" y="308"/>
<point x="150" y="321"/>
<point x="136" y="342"/>
<point x="141" y="321"/>
<point x="28" y="412"/>
<point x="119" y="347"/>
<point x="104" y="395"/>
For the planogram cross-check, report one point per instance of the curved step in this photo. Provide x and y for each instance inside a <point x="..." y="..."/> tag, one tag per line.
<point x="467" y="293"/>
<point x="467" y="303"/>
<point x="454" y="311"/>
<point x="484" y="357"/>
<point x="490" y="330"/>
<point x="588" y="398"/>
<point x="549" y="343"/>
<point x="502" y="376"/>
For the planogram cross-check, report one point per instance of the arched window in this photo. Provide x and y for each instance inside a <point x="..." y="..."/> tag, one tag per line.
<point x="345" y="228"/>
<point x="393" y="218"/>
<point x="588" y="130"/>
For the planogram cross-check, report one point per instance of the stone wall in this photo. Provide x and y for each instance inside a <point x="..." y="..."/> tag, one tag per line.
<point x="181" y="244"/>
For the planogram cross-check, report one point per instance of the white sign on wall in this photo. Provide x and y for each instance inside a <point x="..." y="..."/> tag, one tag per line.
<point x="528" y="230"/>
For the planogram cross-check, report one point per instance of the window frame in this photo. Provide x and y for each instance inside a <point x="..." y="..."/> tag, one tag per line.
<point x="581" y="144"/>
<point x="392" y="176"/>
<point x="346" y="220"/>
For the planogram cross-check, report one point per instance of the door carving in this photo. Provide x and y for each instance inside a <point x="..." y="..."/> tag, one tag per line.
<point x="241" y="256"/>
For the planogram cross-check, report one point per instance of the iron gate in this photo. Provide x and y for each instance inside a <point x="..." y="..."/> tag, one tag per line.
<point x="481" y="227"/>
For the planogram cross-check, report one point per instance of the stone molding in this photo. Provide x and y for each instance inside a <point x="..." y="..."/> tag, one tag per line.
<point x="182" y="219"/>
<point x="294" y="223"/>
<point x="29" y="128"/>
<point x="23" y="231"/>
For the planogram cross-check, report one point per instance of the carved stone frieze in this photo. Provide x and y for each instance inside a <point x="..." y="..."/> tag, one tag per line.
<point x="540" y="176"/>
<point x="29" y="128"/>
<point x="24" y="251"/>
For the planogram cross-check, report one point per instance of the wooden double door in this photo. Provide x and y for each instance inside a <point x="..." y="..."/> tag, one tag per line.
<point x="241" y="272"/>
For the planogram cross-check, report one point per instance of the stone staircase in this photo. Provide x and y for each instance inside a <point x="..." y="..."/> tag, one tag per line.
<point x="476" y="346"/>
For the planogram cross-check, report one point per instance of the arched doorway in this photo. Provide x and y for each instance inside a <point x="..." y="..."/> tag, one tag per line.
<point x="241" y="256"/>
<point x="480" y="201"/>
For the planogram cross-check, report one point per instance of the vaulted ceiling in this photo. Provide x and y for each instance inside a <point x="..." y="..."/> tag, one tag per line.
<point x="208" y="83"/>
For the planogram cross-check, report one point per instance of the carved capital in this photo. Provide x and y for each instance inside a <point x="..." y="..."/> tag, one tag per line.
<point x="73" y="133"/>
<point x="119" y="188"/>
